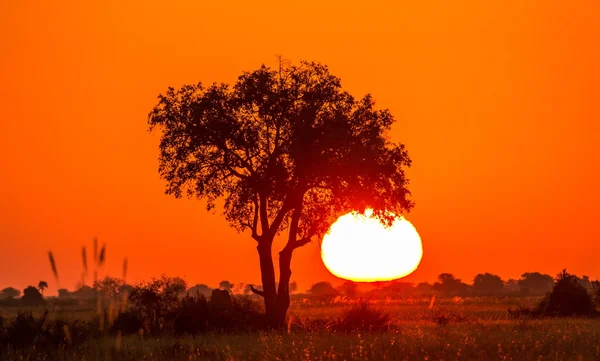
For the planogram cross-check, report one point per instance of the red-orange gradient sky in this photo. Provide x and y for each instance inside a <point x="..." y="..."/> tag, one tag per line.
<point x="497" y="101"/>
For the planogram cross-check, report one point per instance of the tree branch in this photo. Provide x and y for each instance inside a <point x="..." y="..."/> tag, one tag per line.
<point x="264" y="218"/>
<point x="301" y="242"/>
<point x="258" y="292"/>
<point x="255" y="220"/>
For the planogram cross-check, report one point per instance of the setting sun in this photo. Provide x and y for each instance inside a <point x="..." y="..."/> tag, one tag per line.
<point x="360" y="248"/>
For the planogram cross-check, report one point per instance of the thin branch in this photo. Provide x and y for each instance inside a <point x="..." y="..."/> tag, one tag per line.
<point x="258" y="292"/>
<point x="301" y="242"/>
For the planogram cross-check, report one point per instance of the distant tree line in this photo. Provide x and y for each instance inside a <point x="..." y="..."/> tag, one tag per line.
<point x="484" y="284"/>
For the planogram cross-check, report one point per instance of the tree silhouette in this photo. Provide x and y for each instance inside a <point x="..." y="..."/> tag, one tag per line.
<point x="285" y="148"/>
<point x="487" y="283"/>
<point x="450" y="285"/>
<point x="199" y="289"/>
<point x="349" y="289"/>
<point x="42" y="286"/>
<point x="535" y="282"/>
<point x="226" y="285"/>
<point x="32" y="297"/>
<point x="108" y="286"/>
<point x="567" y="298"/>
<point x="293" y="287"/>
<point x="323" y="291"/>
<point x="10" y="292"/>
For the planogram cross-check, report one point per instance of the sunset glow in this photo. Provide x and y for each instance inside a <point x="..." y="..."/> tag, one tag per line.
<point x="360" y="248"/>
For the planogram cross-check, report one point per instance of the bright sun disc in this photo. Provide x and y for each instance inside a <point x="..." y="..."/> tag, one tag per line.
<point x="361" y="249"/>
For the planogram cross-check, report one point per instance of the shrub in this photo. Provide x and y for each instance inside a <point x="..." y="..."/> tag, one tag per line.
<point x="363" y="317"/>
<point x="127" y="323"/>
<point x="567" y="298"/>
<point x="192" y="317"/>
<point x="32" y="297"/>
<point x="596" y="289"/>
<point x="156" y="302"/>
<point x="25" y="330"/>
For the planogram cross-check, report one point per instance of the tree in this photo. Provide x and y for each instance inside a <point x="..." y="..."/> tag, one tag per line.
<point x="349" y="289"/>
<point x="42" y="286"/>
<point x="32" y="297"/>
<point x="284" y="148"/>
<point x="487" y="284"/>
<point x="450" y="285"/>
<point x="323" y="291"/>
<point x="567" y="298"/>
<point x="199" y="289"/>
<point x="424" y="288"/>
<point x="293" y="287"/>
<point x="10" y="292"/>
<point x="108" y="286"/>
<point x="596" y="291"/>
<point x="157" y="299"/>
<point x="226" y="285"/>
<point x="535" y="282"/>
<point x="64" y="293"/>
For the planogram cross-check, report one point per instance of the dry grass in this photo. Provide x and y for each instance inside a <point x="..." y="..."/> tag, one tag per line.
<point x="475" y="329"/>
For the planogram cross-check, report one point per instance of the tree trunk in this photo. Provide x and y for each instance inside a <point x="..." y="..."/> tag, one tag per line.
<point x="283" y="293"/>
<point x="267" y="272"/>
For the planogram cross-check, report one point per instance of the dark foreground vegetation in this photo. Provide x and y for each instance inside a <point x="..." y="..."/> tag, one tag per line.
<point x="155" y="322"/>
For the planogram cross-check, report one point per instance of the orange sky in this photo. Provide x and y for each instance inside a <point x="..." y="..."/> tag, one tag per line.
<point x="497" y="102"/>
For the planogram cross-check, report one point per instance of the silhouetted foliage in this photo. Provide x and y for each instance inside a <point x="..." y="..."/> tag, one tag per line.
<point x="362" y="316"/>
<point x="323" y="291"/>
<point x="193" y="315"/>
<point x="424" y="288"/>
<point x="155" y="301"/>
<point x="226" y="285"/>
<point x="596" y="291"/>
<point x="220" y="298"/>
<point x="487" y="284"/>
<point x="293" y="287"/>
<point x="349" y="289"/>
<point x="199" y="289"/>
<point x="511" y="286"/>
<point x="85" y="293"/>
<point x="25" y="331"/>
<point x="10" y="292"/>
<point x="397" y="289"/>
<point x="42" y="286"/>
<point x="286" y="149"/>
<point x="128" y="322"/>
<point x="449" y="285"/>
<point x="32" y="297"/>
<point x="64" y="293"/>
<point x="110" y="286"/>
<point x="567" y="298"/>
<point x="535" y="283"/>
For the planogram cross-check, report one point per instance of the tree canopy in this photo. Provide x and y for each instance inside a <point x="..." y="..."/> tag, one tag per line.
<point x="283" y="148"/>
<point x="277" y="139"/>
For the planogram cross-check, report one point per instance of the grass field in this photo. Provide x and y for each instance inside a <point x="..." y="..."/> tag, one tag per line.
<point x="453" y="329"/>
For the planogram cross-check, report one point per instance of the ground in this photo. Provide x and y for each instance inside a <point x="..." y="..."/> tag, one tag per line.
<point x="451" y="329"/>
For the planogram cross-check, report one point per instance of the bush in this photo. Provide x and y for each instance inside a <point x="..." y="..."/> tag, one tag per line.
<point x="127" y="323"/>
<point x="567" y="298"/>
<point x="156" y="302"/>
<point x="190" y="315"/>
<point x="363" y="317"/>
<point x="32" y="297"/>
<point x="193" y="315"/>
<point x="25" y="330"/>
